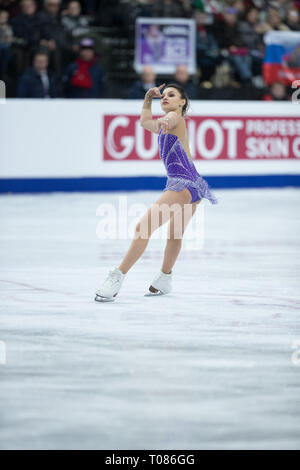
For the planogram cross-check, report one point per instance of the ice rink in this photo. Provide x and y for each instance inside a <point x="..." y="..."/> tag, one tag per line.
<point x="213" y="365"/>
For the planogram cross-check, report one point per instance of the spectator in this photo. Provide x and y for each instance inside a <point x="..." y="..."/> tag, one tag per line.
<point x="84" y="78"/>
<point x="250" y="35"/>
<point x="293" y="20"/>
<point x="37" y="81"/>
<point x="73" y="22"/>
<point x="6" y="38"/>
<point x="280" y="6"/>
<point x="181" y="77"/>
<point x="233" y="47"/>
<point x="277" y="92"/>
<point x="273" y="22"/>
<point x="240" y="7"/>
<point x="229" y="43"/>
<point x="54" y="37"/>
<point x="207" y="48"/>
<point x="27" y="34"/>
<point x="248" y="31"/>
<point x="141" y="86"/>
<point x="25" y="25"/>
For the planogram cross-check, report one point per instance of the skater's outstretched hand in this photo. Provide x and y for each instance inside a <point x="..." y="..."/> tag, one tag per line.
<point x="155" y="92"/>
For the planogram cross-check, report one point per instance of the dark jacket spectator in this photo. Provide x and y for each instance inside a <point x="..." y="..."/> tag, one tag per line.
<point x="226" y="31"/>
<point x="37" y="81"/>
<point x="54" y="37"/>
<point x="182" y="77"/>
<point x="26" y="24"/>
<point x="30" y="85"/>
<point x="248" y="30"/>
<point x="142" y="85"/>
<point x="138" y="90"/>
<point x="73" y="22"/>
<point x="190" y="88"/>
<point x="207" y="48"/>
<point x="205" y="40"/>
<point x="51" y="27"/>
<point x="233" y="45"/>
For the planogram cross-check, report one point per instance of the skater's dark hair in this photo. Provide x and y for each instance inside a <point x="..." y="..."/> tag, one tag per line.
<point x="183" y="95"/>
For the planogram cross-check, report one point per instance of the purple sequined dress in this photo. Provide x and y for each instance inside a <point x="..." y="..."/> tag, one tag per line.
<point x="181" y="172"/>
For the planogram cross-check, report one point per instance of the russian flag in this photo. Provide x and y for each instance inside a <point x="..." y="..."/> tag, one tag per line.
<point x="282" y="57"/>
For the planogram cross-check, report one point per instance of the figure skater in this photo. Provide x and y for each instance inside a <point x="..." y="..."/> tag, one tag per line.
<point x="184" y="190"/>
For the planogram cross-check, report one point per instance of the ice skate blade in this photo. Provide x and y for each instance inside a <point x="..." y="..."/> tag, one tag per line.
<point x="154" y="294"/>
<point x="98" y="298"/>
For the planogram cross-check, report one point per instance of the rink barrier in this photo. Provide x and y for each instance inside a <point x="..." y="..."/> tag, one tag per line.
<point x="140" y="183"/>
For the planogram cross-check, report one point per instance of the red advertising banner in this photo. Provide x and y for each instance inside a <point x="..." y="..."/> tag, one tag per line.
<point x="210" y="138"/>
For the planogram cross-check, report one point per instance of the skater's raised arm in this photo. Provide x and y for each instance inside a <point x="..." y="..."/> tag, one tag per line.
<point x="146" y="121"/>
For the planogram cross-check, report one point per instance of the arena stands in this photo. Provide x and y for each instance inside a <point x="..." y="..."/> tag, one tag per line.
<point x="88" y="47"/>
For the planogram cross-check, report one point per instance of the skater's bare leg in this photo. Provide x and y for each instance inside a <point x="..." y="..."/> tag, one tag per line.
<point x="174" y="240"/>
<point x="158" y="214"/>
<point x="135" y="251"/>
<point x="171" y="253"/>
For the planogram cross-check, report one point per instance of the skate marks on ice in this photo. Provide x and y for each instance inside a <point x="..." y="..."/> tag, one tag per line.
<point x="209" y="365"/>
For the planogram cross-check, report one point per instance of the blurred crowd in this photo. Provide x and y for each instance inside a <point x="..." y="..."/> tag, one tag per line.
<point x="48" y="48"/>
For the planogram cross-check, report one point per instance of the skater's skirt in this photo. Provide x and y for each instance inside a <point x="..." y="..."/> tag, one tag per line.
<point x="198" y="188"/>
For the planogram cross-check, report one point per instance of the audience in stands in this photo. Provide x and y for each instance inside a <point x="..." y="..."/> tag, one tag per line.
<point x="229" y="45"/>
<point x="37" y="81"/>
<point x="74" y="22"/>
<point x="249" y="31"/>
<point x="26" y="30"/>
<point x="277" y="92"/>
<point x="232" y="43"/>
<point x="293" y="19"/>
<point x="142" y="85"/>
<point x="182" y="77"/>
<point x="54" y="36"/>
<point x="207" y="48"/>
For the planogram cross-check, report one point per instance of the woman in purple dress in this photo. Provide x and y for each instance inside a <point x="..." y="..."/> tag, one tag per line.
<point x="184" y="190"/>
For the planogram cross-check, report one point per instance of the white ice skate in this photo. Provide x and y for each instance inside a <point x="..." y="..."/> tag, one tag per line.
<point x="110" y="287"/>
<point x="161" y="284"/>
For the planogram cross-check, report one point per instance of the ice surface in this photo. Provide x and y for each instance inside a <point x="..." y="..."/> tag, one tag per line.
<point x="212" y="365"/>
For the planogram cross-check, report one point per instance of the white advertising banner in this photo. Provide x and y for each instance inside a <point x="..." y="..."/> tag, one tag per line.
<point x="98" y="138"/>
